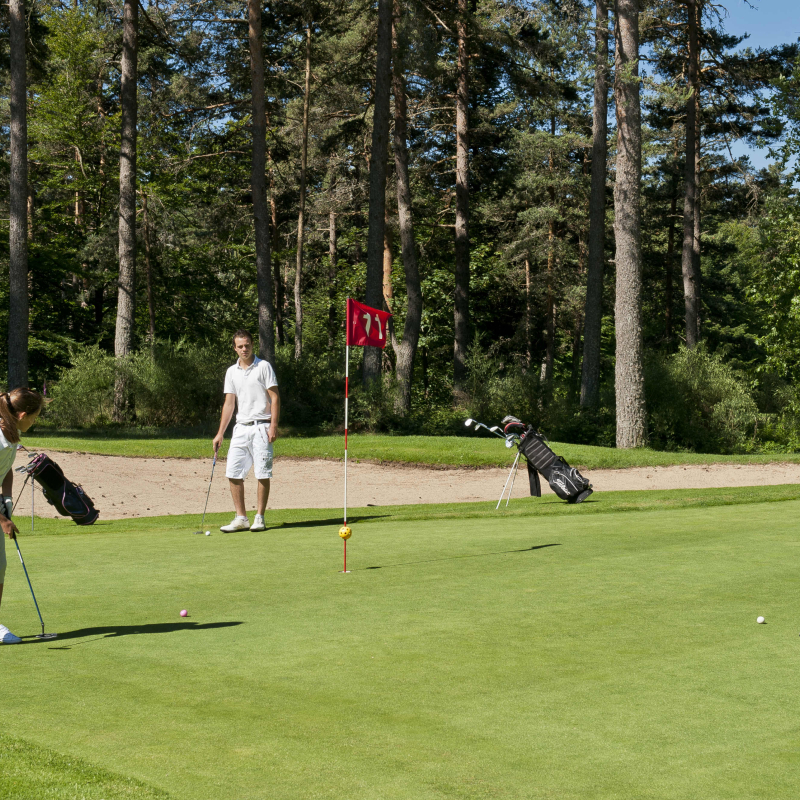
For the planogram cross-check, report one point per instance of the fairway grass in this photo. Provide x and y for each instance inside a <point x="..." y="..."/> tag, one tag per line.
<point x="545" y="655"/>
<point x="442" y="451"/>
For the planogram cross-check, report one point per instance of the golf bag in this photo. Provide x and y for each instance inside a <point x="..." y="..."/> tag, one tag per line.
<point x="68" y="498"/>
<point x="564" y="480"/>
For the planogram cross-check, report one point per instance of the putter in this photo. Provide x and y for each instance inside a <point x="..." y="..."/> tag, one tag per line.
<point x="41" y="635"/>
<point x="208" y="494"/>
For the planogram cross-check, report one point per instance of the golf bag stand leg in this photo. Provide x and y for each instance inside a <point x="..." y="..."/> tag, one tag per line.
<point x="511" y="479"/>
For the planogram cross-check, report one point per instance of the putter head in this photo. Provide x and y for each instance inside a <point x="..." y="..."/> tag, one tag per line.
<point x="47" y="636"/>
<point x="468" y="423"/>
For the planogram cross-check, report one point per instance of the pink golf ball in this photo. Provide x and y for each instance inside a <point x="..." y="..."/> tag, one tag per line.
<point x="184" y="613"/>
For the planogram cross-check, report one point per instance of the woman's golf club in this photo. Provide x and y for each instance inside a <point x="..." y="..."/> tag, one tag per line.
<point x="208" y="493"/>
<point x="41" y="635"/>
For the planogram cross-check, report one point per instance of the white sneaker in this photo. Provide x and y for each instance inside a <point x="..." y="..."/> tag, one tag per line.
<point x="6" y="637"/>
<point x="258" y="523"/>
<point x="238" y="524"/>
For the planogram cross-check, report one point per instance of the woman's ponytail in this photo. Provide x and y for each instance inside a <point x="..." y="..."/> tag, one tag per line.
<point x="13" y="403"/>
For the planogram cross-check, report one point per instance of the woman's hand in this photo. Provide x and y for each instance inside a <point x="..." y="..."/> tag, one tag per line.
<point x="9" y="528"/>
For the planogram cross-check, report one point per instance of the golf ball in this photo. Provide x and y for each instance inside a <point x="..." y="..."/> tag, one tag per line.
<point x="184" y="613"/>
<point x="759" y="620"/>
<point x="208" y="533"/>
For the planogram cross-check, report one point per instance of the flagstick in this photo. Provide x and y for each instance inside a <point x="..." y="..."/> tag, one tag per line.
<point x="346" y="398"/>
<point x="346" y="401"/>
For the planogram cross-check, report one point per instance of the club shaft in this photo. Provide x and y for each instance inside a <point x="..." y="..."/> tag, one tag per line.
<point x="27" y="577"/>
<point x="208" y="493"/>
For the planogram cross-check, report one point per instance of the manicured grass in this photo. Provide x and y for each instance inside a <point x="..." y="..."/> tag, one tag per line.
<point x="611" y="655"/>
<point x="548" y="506"/>
<point x="450" y="451"/>
<point x="30" y="772"/>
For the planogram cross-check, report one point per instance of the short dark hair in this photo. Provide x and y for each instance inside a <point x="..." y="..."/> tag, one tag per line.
<point x="242" y="334"/>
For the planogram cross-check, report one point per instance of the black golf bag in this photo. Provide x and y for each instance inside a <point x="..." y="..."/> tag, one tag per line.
<point x="564" y="480"/>
<point x="68" y="498"/>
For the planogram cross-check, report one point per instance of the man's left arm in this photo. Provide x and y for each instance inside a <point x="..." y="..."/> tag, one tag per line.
<point x="275" y="411"/>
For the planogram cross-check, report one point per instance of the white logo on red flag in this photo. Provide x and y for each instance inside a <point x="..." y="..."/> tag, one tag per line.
<point x="366" y="327"/>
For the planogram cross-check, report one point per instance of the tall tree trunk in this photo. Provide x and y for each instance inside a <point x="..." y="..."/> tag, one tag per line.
<point x="151" y="308"/>
<point x="405" y="351"/>
<point x="18" y="313"/>
<point x="126" y="295"/>
<point x="377" y="177"/>
<point x="301" y="216"/>
<point x="258" y="168"/>
<point x="593" y="314"/>
<point x="333" y="258"/>
<point x="631" y="419"/>
<point x="461" y="295"/>
<point x="691" y="252"/>
<point x="528" y="313"/>
<point x="276" y="267"/>
<point x="388" y="258"/>
<point x="670" y="265"/>
<point x="550" y="318"/>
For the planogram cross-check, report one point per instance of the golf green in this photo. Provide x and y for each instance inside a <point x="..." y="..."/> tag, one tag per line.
<point x="610" y="655"/>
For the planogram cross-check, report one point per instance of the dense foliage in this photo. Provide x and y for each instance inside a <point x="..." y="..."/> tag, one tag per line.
<point x="531" y="73"/>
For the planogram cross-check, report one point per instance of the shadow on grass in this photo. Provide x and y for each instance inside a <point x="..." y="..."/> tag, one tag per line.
<point x="473" y="555"/>
<point x="318" y="523"/>
<point x="113" y="631"/>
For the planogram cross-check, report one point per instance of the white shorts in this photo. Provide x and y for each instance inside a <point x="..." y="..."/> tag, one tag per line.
<point x="250" y="445"/>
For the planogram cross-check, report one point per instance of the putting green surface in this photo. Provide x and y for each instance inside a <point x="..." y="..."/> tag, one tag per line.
<point x="575" y="655"/>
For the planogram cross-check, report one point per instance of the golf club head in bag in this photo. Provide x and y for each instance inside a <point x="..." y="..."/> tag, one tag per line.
<point x="68" y="498"/>
<point x="564" y="480"/>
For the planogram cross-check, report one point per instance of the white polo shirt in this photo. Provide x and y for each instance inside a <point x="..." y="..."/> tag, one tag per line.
<point x="250" y="387"/>
<point x="8" y="452"/>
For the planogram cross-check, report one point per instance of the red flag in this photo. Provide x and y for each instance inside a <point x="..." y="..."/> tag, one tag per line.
<point x="366" y="326"/>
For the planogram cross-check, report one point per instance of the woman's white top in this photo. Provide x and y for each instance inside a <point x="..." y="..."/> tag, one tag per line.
<point x="8" y="453"/>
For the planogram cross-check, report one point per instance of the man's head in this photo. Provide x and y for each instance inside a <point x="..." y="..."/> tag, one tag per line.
<point x="243" y="345"/>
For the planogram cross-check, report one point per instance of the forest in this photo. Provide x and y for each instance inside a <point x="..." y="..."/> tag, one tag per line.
<point x="549" y="196"/>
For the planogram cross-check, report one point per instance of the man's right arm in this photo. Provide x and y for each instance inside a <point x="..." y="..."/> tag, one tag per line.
<point x="228" y="407"/>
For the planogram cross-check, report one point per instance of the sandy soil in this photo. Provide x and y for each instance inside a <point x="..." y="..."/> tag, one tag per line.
<point x="136" y="487"/>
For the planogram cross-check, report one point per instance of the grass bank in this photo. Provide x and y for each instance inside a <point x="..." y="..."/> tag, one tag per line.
<point x="443" y="451"/>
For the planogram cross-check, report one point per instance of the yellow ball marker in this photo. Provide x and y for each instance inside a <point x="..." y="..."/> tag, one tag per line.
<point x="345" y="532"/>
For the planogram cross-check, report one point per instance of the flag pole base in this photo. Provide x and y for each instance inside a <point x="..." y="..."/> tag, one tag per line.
<point x="344" y="571"/>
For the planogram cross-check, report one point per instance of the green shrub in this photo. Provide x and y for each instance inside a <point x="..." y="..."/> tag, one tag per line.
<point x="697" y="402"/>
<point x="172" y="385"/>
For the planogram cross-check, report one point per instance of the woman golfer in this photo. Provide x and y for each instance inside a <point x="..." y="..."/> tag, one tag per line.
<point x="251" y="385"/>
<point x="19" y="410"/>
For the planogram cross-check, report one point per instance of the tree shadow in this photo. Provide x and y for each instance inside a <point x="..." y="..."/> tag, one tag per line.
<point x="113" y="631"/>
<point x="473" y="555"/>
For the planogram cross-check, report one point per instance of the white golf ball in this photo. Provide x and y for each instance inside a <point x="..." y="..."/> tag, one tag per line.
<point x="759" y="620"/>
<point x="208" y="533"/>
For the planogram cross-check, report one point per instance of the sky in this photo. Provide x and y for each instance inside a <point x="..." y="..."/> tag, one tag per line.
<point x="769" y="22"/>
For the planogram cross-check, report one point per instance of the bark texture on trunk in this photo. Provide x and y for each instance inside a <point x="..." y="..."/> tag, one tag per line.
<point x="690" y="261"/>
<point x="388" y="259"/>
<point x="258" y="185"/>
<point x="333" y="257"/>
<point x="461" y="295"/>
<point x="377" y="177"/>
<point x="405" y="351"/>
<point x="593" y="313"/>
<point x="148" y="264"/>
<point x="528" y="312"/>
<point x="631" y="420"/>
<point x="670" y="266"/>
<point x="301" y="216"/>
<point x="276" y="267"/>
<point x="126" y="284"/>
<point x="18" y="315"/>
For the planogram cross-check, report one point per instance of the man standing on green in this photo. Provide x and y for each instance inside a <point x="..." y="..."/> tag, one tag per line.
<point x="250" y="383"/>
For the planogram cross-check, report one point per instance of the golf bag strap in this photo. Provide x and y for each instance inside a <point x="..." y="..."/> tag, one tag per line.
<point x="533" y="479"/>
